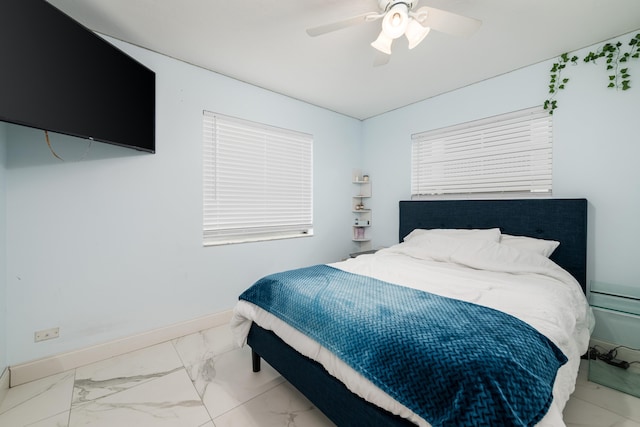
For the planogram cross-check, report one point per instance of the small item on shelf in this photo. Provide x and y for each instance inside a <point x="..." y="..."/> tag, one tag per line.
<point x="359" y="233"/>
<point x="365" y="178"/>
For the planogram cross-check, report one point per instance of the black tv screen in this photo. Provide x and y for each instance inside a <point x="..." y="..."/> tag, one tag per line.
<point x="57" y="75"/>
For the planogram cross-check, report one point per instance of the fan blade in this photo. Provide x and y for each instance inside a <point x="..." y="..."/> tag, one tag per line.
<point x="381" y="59"/>
<point x="447" y="22"/>
<point x="339" y="25"/>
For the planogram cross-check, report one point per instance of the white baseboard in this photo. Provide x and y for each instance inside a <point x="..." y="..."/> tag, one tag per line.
<point x="41" y="368"/>
<point x="4" y="383"/>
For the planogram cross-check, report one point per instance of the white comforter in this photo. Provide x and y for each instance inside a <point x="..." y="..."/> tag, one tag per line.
<point x="521" y="283"/>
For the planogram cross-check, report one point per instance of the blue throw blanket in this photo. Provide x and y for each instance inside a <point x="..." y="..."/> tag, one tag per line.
<point x="451" y="362"/>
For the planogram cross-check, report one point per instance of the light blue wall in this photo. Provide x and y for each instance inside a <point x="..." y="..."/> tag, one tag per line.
<point x="108" y="243"/>
<point x="3" y="249"/>
<point x="596" y="152"/>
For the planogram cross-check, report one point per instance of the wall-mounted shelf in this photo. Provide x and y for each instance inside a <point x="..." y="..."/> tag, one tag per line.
<point x="361" y="212"/>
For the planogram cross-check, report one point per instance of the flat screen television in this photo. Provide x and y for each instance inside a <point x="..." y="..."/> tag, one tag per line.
<point x="57" y="75"/>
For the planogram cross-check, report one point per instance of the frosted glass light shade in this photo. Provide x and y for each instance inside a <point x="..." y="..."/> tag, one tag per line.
<point x="395" y="22"/>
<point x="383" y="43"/>
<point x="415" y="33"/>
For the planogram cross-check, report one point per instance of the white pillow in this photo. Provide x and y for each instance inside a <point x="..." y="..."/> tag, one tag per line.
<point x="479" y="255"/>
<point x="539" y="246"/>
<point x="491" y="234"/>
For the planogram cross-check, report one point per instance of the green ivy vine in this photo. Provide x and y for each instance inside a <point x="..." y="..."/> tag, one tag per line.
<point x="614" y="58"/>
<point x="556" y="81"/>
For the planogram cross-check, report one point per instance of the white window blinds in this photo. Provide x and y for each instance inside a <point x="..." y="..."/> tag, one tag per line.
<point x="257" y="181"/>
<point x="510" y="153"/>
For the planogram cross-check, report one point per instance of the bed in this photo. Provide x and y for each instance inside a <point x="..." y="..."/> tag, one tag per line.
<point x="346" y="397"/>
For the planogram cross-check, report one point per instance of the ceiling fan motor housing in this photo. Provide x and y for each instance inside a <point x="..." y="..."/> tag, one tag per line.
<point x="386" y="5"/>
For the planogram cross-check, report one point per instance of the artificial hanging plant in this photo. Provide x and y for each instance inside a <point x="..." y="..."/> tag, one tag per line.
<point x="556" y="81"/>
<point x="615" y="61"/>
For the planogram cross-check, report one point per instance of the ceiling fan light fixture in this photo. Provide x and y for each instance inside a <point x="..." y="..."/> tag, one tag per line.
<point x="383" y="43"/>
<point x="415" y="33"/>
<point x="394" y="23"/>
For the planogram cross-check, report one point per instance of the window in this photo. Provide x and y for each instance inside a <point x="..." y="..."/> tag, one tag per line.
<point x="510" y="153"/>
<point x="257" y="181"/>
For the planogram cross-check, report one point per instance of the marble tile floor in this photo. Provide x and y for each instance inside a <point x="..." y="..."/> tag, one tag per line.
<point x="202" y="380"/>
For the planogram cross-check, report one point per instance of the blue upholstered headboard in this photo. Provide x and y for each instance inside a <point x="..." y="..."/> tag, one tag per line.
<point x="564" y="220"/>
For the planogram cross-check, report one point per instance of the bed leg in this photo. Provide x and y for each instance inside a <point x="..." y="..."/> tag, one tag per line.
<point x="255" y="361"/>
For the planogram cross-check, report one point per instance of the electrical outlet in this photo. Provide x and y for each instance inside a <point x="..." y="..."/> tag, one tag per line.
<point x="46" y="334"/>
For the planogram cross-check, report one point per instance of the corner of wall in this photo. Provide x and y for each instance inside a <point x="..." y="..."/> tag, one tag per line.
<point x="3" y="248"/>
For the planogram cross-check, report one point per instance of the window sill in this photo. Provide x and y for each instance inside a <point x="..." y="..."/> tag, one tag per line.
<point x="246" y="239"/>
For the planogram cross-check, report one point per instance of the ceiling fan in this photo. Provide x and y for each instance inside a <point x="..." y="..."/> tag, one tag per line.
<point x="399" y="18"/>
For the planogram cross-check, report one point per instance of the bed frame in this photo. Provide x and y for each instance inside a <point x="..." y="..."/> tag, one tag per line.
<point x="564" y="220"/>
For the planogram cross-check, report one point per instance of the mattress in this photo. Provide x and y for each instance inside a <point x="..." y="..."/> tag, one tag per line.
<point x="521" y="283"/>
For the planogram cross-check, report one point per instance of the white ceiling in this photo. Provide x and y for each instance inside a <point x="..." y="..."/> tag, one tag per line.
<point x="263" y="42"/>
